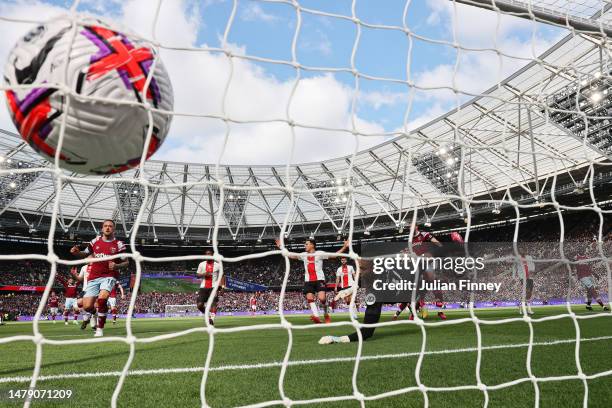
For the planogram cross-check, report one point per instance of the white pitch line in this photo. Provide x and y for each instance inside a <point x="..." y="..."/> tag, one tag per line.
<point x="290" y="363"/>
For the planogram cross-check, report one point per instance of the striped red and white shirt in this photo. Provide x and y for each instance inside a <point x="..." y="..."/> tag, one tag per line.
<point x="525" y="267"/>
<point x="313" y="265"/>
<point x="346" y="273"/>
<point x="210" y="270"/>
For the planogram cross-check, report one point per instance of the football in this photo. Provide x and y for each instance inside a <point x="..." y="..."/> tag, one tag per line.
<point x="111" y="78"/>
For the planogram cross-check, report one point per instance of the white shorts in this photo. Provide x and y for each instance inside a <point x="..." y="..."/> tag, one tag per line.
<point x="587" y="282"/>
<point x="254" y="307"/>
<point x="95" y="286"/>
<point x="53" y="310"/>
<point x="71" y="303"/>
<point x="112" y="302"/>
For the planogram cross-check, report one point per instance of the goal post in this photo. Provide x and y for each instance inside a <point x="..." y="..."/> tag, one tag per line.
<point x="545" y="12"/>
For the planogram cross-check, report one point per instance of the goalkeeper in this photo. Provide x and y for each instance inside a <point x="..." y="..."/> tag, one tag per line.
<point x="374" y="310"/>
<point x="371" y="316"/>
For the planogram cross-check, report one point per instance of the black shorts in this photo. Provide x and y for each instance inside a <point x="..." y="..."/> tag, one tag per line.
<point x="204" y="295"/>
<point x="528" y="283"/>
<point x="314" y="287"/>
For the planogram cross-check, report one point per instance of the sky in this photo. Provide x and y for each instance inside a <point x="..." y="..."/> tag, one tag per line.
<point x="323" y="98"/>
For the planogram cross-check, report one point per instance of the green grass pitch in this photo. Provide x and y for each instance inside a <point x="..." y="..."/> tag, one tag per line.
<point x="168" y="285"/>
<point x="246" y="365"/>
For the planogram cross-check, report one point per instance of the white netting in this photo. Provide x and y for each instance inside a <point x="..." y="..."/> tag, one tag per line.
<point x="498" y="155"/>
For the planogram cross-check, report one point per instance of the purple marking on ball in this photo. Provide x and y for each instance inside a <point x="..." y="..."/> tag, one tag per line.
<point x="146" y="66"/>
<point x="45" y="130"/>
<point x="30" y="98"/>
<point x="124" y="76"/>
<point x="104" y="51"/>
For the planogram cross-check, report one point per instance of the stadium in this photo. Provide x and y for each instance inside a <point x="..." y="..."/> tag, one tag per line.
<point x="302" y="140"/>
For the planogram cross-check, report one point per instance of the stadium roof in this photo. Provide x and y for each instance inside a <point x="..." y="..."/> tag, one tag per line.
<point x="516" y="135"/>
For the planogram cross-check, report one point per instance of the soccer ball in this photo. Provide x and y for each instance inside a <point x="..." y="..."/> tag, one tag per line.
<point x="102" y="136"/>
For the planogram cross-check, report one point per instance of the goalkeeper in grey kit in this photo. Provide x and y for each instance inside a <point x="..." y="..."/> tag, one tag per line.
<point x="371" y="316"/>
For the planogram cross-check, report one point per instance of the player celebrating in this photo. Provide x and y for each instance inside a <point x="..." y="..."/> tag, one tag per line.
<point x="524" y="267"/>
<point x="314" y="277"/>
<point x="53" y="305"/>
<point x="112" y="300"/>
<point x="345" y="277"/>
<point x="70" y="293"/>
<point x="253" y="304"/>
<point x="103" y="274"/>
<point x="584" y="273"/>
<point x="419" y="247"/>
<point x="209" y="272"/>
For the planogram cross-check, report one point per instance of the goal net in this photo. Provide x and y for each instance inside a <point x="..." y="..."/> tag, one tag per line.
<point x="470" y="116"/>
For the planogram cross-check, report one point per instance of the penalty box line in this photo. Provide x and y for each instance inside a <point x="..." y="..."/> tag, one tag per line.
<point x="24" y="379"/>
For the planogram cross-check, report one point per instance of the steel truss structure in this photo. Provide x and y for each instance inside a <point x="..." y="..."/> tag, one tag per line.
<point x="549" y="119"/>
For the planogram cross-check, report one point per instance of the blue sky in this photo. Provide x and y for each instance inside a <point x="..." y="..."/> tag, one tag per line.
<point x="261" y="90"/>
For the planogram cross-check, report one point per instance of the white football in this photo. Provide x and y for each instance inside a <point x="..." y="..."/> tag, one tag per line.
<point x="96" y="61"/>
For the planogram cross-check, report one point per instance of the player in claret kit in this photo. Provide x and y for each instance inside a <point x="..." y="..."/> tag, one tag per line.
<point x="112" y="300"/>
<point x="102" y="274"/>
<point x="524" y="267"/>
<point x="53" y="305"/>
<point x="314" y="277"/>
<point x="209" y="272"/>
<point x="584" y="273"/>
<point x="71" y="289"/>
<point x="345" y="278"/>
<point x="420" y="248"/>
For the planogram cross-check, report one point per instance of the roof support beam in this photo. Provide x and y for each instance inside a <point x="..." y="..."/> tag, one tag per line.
<point x="360" y="173"/>
<point x="263" y="197"/>
<point x="527" y="10"/>
<point x="516" y="130"/>
<point x="281" y="183"/>
<point x="333" y="178"/>
<point x="183" y="197"/>
<point x="532" y="101"/>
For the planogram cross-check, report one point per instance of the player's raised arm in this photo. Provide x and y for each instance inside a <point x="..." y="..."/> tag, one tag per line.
<point x="435" y="241"/>
<point x="76" y="252"/>
<point x="290" y="256"/>
<point x="345" y="246"/>
<point x="121" y="290"/>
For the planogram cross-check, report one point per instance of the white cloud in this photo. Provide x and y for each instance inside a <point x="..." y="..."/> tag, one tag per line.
<point x="319" y="43"/>
<point x="254" y="12"/>
<point x="177" y="25"/>
<point x="199" y="81"/>
<point x="433" y="112"/>
<point x="475" y="27"/>
<point x="379" y="99"/>
<point x="479" y="70"/>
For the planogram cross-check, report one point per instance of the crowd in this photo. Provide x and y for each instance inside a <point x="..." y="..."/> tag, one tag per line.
<point x="538" y="238"/>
